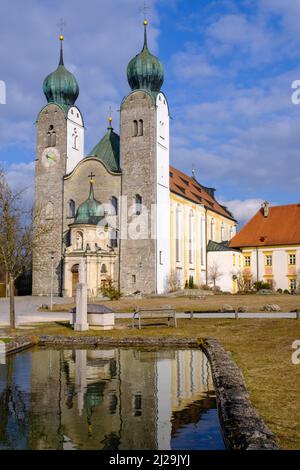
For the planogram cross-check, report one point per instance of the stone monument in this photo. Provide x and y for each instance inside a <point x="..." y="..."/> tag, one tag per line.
<point x="81" y="323"/>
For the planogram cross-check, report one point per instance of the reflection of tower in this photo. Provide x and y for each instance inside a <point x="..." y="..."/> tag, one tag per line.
<point x="81" y="382"/>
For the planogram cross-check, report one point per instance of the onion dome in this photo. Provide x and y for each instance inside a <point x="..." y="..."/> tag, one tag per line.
<point x="145" y="71"/>
<point x="61" y="86"/>
<point x="108" y="149"/>
<point x="91" y="211"/>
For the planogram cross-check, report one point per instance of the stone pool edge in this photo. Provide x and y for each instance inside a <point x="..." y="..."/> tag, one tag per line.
<point x="242" y="427"/>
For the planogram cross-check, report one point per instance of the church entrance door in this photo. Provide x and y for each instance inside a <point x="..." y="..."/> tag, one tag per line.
<point x="75" y="279"/>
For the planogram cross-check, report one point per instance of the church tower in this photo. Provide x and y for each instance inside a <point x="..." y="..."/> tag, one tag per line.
<point x="144" y="147"/>
<point x="59" y="147"/>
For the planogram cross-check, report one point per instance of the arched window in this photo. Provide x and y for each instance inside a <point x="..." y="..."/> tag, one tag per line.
<point x="212" y="229"/>
<point x="114" y="203"/>
<point x="49" y="210"/>
<point x="202" y="232"/>
<point x="103" y="269"/>
<point x="222" y="232"/>
<point x="71" y="208"/>
<point x="138" y="204"/>
<point x="178" y="233"/>
<point x="141" y="127"/>
<point x="114" y="238"/>
<point x="51" y="137"/>
<point x="135" y="128"/>
<point x="79" y="241"/>
<point x="230" y="233"/>
<point x="191" y="237"/>
<point x="75" y="139"/>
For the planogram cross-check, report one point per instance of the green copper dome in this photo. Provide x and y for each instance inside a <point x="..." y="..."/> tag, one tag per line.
<point x="91" y="211"/>
<point x="61" y="86"/>
<point x="108" y="150"/>
<point x="145" y="71"/>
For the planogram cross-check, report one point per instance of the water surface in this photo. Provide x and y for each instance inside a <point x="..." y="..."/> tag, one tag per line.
<point x="108" y="399"/>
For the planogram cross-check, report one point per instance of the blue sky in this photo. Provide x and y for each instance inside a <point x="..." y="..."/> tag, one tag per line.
<point x="229" y="66"/>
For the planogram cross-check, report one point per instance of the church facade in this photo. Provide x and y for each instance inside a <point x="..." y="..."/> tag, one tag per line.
<point x="137" y="222"/>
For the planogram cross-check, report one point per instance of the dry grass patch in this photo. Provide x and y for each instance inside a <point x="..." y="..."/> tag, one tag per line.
<point x="209" y="303"/>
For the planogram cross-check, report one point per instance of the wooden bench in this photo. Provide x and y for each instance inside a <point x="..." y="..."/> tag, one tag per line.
<point x="150" y="313"/>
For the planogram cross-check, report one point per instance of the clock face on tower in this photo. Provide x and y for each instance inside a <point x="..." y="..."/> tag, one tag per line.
<point x="50" y="157"/>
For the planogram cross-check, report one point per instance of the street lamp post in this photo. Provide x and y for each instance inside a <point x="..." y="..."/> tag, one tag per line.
<point x="52" y="276"/>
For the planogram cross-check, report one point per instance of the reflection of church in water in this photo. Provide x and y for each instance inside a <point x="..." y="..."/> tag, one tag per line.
<point x="117" y="398"/>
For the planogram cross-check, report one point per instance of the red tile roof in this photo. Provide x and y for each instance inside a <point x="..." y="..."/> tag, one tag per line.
<point x="187" y="187"/>
<point x="280" y="227"/>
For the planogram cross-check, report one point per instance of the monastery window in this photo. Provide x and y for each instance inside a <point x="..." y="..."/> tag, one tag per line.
<point x="178" y="233"/>
<point x="247" y="261"/>
<point x="141" y="127"/>
<point x="269" y="260"/>
<point x="51" y="137"/>
<point x="114" y="203"/>
<point x="133" y="279"/>
<point x="135" y="128"/>
<point x="202" y="235"/>
<point x="138" y="204"/>
<point x="191" y="237"/>
<point x="292" y="259"/>
<point x="75" y="139"/>
<point x="222" y="232"/>
<point x="79" y="241"/>
<point x="71" y="208"/>
<point x="293" y="284"/>
<point x="212" y="229"/>
<point x="230" y="233"/>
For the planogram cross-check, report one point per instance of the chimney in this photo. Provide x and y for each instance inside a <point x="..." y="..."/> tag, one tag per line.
<point x="266" y="208"/>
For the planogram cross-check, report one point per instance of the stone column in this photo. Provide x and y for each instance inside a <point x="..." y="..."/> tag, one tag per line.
<point x="81" y="323"/>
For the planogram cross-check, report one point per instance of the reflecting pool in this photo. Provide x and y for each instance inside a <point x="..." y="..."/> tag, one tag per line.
<point x="108" y="399"/>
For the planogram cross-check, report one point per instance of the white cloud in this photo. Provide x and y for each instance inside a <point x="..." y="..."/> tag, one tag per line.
<point x="243" y="210"/>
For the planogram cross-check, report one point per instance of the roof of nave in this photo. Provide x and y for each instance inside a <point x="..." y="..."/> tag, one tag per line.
<point x="108" y="150"/>
<point x="189" y="188"/>
<point x="223" y="246"/>
<point x="280" y="227"/>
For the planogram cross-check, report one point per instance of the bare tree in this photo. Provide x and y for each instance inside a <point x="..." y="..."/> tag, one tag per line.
<point x="20" y="231"/>
<point x="214" y="274"/>
<point x="244" y="283"/>
<point x="174" y="281"/>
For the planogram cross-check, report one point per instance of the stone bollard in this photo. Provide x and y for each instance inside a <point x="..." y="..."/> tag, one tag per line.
<point x="236" y="315"/>
<point x="297" y="314"/>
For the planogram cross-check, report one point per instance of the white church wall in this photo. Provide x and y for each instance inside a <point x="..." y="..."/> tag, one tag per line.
<point x="75" y="138"/>
<point x="162" y="195"/>
<point x="224" y="262"/>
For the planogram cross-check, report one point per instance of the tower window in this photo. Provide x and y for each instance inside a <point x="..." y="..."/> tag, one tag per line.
<point x="49" y="210"/>
<point x="138" y="204"/>
<point x="51" y="137"/>
<point x="135" y="128"/>
<point x="71" y="208"/>
<point x="141" y="127"/>
<point x="114" y="203"/>
<point x="114" y="238"/>
<point x="133" y="279"/>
